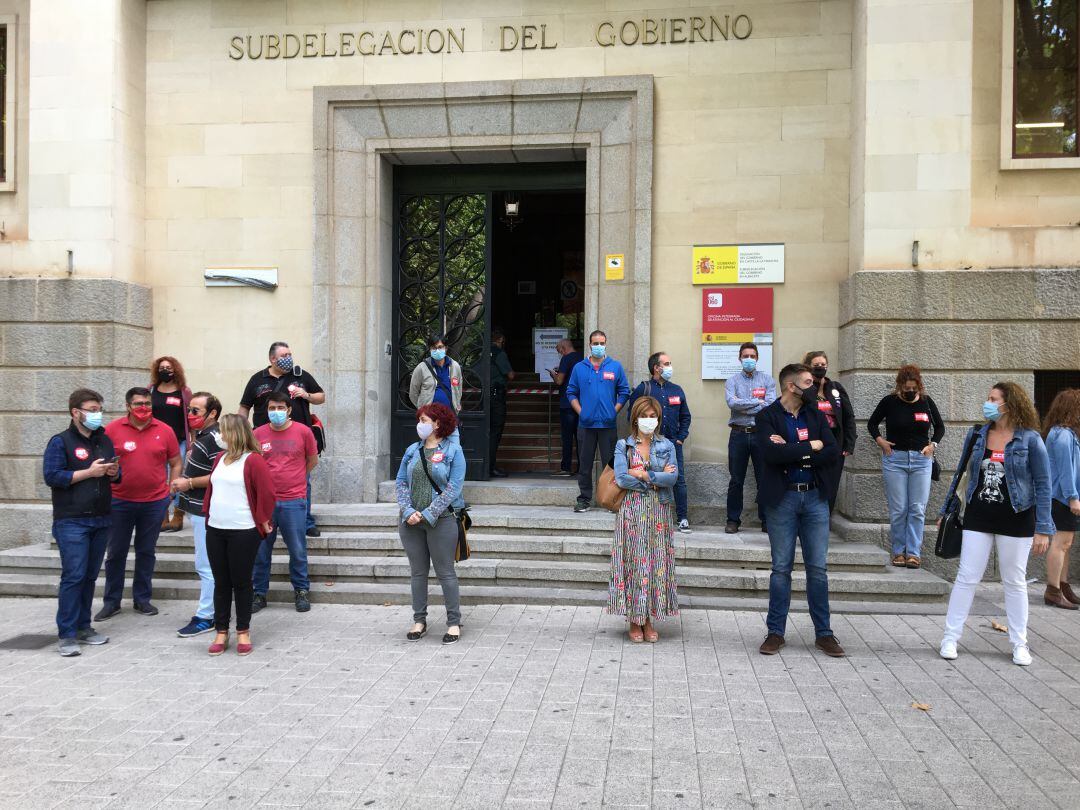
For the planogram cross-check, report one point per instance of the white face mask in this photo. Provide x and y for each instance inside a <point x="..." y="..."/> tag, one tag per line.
<point x="647" y="425"/>
<point x="423" y="430"/>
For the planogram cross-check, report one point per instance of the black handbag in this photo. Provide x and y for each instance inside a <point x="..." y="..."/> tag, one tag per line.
<point x="464" y="521"/>
<point x="950" y="535"/>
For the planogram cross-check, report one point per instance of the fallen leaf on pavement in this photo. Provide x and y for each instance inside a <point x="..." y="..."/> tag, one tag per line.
<point x="999" y="627"/>
<point x="922" y="707"/>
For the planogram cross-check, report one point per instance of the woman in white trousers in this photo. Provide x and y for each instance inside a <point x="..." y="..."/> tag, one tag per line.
<point x="1008" y="508"/>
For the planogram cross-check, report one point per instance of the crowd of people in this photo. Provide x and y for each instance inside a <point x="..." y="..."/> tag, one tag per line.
<point x="174" y="449"/>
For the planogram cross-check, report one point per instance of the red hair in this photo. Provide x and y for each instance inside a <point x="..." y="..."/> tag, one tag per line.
<point x="445" y="420"/>
<point x="178" y="372"/>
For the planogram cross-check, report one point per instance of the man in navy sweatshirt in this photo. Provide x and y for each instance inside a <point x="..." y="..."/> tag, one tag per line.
<point x="597" y="391"/>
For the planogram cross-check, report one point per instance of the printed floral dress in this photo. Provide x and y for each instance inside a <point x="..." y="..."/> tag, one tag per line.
<point x="643" y="557"/>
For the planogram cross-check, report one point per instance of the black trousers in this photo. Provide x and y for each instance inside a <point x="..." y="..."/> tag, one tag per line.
<point x="498" y="419"/>
<point x="568" y="423"/>
<point x="589" y="440"/>
<point x="232" y="558"/>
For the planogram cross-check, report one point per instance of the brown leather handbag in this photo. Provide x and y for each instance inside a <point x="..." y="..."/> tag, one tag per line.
<point x="609" y="494"/>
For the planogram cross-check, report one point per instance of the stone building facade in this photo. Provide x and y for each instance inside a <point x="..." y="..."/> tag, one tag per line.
<point x="154" y="139"/>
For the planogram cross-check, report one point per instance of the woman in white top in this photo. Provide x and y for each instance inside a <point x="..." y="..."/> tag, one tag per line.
<point x="239" y="505"/>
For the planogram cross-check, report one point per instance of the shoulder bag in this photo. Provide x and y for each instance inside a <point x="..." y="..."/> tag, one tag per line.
<point x="464" y="521"/>
<point x="608" y="493"/>
<point x="950" y="535"/>
<point x="438" y="382"/>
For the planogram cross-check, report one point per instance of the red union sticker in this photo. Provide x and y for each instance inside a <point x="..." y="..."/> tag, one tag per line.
<point x="454" y="381"/>
<point x="174" y="401"/>
<point x="266" y="447"/>
<point x="758" y="393"/>
<point x="674" y="400"/>
<point x="81" y="453"/>
<point x="437" y="457"/>
<point x="998" y="456"/>
<point x="609" y="375"/>
<point x="804" y="434"/>
<point x="922" y="416"/>
<point x="825" y="406"/>
<point x="130" y="446"/>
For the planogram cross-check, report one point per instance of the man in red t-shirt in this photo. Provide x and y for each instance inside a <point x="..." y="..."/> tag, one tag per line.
<point x="291" y="453"/>
<point x="139" y="500"/>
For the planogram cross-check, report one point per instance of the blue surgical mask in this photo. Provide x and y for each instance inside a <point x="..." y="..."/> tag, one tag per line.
<point x="666" y="372"/>
<point x="284" y="363"/>
<point x="991" y="411"/>
<point x="598" y="350"/>
<point x="749" y="364"/>
<point x="278" y="418"/>
<point x="92" y="419"/>
<point x="438" y="354"/>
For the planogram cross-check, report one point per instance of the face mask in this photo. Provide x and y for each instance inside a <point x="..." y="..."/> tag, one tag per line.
<point x="598" y="350"/>
<point x="284" y="363"/>
<point x="438" y="355"/>
<point x="142" y="413"/>
<point x="991" y="411"/>
<point x="908" y="396"/>
<point x="808" y="395"/>
<point x="819" y="372"/>
<point x="278" y="418"/>
<point x="667" y="372"/>
<point x="749" y="364"/>
<point x="220" y="442"/>
<point x="92" y="419"/>
<point x="196" y="421"/>
<point x="424" y="429"/>
<point x="165" y="376"/>
<point x="647" y="425"/>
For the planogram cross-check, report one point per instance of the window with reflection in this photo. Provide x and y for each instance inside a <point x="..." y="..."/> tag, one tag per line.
<point x="1046" y="78"/>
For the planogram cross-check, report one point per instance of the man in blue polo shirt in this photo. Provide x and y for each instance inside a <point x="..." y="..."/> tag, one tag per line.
<point x="675" y="421"/>
<point x="597" y="391"/>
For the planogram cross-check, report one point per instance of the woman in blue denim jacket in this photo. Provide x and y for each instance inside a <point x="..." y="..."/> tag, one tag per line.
<point x="1060" y="429"/>
<point x="642" y="586"/>
<point x="430" y="489"/>
<point x="1008" y="507"/>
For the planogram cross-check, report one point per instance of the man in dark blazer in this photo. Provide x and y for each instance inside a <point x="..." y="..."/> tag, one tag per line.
<point x="796" y="486"/>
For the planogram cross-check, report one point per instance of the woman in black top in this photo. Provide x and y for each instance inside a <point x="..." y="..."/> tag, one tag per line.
<point x="835" y="405"/>
<point x="170" y="397"/>
<point x="914" y="428"/>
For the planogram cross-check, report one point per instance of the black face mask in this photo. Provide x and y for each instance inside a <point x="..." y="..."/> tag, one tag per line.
<point x="165" y="376"/>
<point x="818" y="372"/>
<point x="809" y="395"/>
<point x="908" y="396"/>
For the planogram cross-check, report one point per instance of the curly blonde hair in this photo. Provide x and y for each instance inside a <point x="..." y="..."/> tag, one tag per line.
<point x="1021" y="412"/>
<point x="1064" y="411"/>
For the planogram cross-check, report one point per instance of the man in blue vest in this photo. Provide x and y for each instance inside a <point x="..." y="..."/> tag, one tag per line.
<point x="597" y="391"/>
<point x="79" y="465"/>
<point x="675" y="421"/>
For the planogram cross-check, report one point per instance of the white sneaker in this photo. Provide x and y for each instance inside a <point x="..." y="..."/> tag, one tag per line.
<point x="1021" y="655"/>
<point x="948" y="650"/>
<point x="684" y="526"/>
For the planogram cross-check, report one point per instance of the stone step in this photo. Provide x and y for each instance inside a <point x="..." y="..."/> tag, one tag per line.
<point x="393" y="593"/>
<point x="528" y="519"/>
<point x="887" y="584"/>
<point x="539" y="491"/>
<point x="746" y="550"/>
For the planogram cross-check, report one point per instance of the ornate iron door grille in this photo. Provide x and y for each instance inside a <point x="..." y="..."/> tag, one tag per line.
<point x="441" y="282"/>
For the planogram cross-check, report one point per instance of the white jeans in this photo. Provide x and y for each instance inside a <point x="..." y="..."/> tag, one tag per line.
<point x="1012" y="561"/>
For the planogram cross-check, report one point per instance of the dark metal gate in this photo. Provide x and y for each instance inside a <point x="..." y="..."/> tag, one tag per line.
<point x="442" y="275"/>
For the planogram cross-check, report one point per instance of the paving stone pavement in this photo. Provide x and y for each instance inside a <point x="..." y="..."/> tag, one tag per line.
<point x="538" y="707"/>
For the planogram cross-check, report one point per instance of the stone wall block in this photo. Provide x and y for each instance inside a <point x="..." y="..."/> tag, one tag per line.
<point x="481" y="118"/>
<point x="862" y="345"/>
<point x="354" y="125"/>
<point x="24" y="523"/>
<point x="1042" y="344"/>
<point x="27" y="434"/>
<point x="140" y="306"/>
<point x="1057" y="293"/>
<point x="133" y="348"/>
<point x="986" y="295"/>
<point x="18" y="299"/>
<point x="946" y="345"/>
<point x="545" y="116"/>
<point x="415" y="121"/>
<point x="46" y="344"/>
<point x="21" y="480"/>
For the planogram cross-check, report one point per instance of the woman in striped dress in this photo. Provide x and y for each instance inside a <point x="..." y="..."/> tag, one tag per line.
<point x="643" y="553"/>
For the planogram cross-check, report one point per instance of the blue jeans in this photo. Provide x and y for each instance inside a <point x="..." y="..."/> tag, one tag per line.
<point x="309" y="521"/>
<point x="568" y="424"/>
<point x="145" y="520"/>
<point x="741" y="449"/>
<point x="82" y="543"/>
<point x="804" y="515"/>
<point x="174" y="500"/>
<point x="680" y="484"/>
<point x="290" y="517"/>
<point x="205" y="610"/>
<point x="907" y="489"/>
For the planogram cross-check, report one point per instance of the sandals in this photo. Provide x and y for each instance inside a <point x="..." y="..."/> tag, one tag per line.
<point x="637" y="634"/>
<point x="914" y="562"/>
<point x="416" y="635"/>
<point x="899" y="561"/>
<point x="243" y="647"/>
<point x="650" y="633"/>
<point x="218" y="649"/>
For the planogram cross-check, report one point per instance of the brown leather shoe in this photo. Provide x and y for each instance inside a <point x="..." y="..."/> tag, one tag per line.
<point x="772" y="644"/>
<point x="830" y="646"/>
<point x="913" y="562"/>
<point x="1055" y="598"/>
<point x="174" y="523"/>
<point x="1068" y="593"/>
<point x="899" y="561"/>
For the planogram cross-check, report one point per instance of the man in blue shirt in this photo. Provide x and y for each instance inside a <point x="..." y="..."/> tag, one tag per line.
<point x="78" y="466"/>
<point x="568" y="418"/>
<point x="748" y="393"/>
<point x="597" y="391"/>
<point x="674" y="422"/>
<point x="798" y="448"/>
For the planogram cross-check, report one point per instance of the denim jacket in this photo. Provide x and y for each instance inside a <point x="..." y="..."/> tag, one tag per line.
<point x="661" y="454"/>
<point x="1064" y="450"/>
<point x="1027" y="473"/>
<point x="449" y="474"/>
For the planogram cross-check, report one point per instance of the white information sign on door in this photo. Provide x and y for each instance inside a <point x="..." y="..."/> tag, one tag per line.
<point x="544" y="342"/>
<point x="721" y="360"/>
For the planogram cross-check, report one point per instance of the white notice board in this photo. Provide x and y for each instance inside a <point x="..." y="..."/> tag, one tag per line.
<point x="544" y="342"/>
<point x="721" y="360"/>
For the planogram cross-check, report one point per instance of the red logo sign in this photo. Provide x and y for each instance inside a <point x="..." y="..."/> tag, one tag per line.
<point x="825" y="406"/>
<point x="81" y="453"/>
<point x="922" y="416"/>
<point x="804" y="434"/>
<point x="437" y="457"/>
<point x="130" y="446"/>
<point x="266" y="447"/>
<point x="998" y="456"/>
<point x="758" y="393"/>
<point x="609" y="375"/>
<point x="174" y="401"/>
<point x="734" y="314"/>
<point x="674" y="400"/>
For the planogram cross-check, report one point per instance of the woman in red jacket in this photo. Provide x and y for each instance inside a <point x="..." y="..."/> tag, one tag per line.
<point x="239" y="506"/>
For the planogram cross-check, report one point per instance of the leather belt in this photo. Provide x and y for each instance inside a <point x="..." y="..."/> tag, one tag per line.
<point x="802" y="487"/>
<point x="743" y="429"/>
